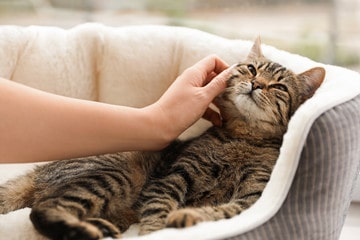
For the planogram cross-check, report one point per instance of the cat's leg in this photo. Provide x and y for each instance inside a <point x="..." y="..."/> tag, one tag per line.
<point x="69" y="218"/>
<point x="187" y="217"/>
<point x="252" y="186"/>
<point x="160" y="198"/>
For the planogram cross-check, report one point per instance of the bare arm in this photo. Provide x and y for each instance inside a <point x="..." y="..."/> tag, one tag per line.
<point x="40" y="126"/>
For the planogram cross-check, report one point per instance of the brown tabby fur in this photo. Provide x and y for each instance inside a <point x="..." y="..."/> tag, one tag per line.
<point x="214" y="176"/>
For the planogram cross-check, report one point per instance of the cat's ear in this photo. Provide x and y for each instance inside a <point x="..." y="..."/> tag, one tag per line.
<point x="255" y="51"/>
<point x="312" y="80"/>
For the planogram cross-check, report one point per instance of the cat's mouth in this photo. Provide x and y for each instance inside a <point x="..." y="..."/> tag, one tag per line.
<point x="241" y="91"/>
<point x="249" y="93"/>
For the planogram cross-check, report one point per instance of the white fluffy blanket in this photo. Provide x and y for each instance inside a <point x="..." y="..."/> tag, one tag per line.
<point x="133" y="66"/>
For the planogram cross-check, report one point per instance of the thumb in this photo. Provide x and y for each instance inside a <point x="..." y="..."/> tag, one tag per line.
<point x="218" y="83"/>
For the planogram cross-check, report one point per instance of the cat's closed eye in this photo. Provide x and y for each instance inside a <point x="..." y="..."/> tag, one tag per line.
<point x="280" y="87"/>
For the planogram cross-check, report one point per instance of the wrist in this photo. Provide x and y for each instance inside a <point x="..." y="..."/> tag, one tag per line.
<point x="159" y="126"/>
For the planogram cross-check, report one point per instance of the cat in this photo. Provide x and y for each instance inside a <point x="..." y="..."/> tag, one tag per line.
<point x="216" y="175"/>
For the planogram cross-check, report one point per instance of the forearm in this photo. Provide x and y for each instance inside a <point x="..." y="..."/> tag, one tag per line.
<point x="39" y="126"/>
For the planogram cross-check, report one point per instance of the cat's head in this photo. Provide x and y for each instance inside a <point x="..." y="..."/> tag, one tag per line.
<point x="262" y="95"/>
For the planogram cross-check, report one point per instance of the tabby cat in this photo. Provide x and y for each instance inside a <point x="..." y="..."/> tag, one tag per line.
<point x="214" y="176"/>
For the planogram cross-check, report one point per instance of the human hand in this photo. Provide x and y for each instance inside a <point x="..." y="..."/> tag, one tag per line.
<point x="189" y="97"/>
<point x="120" y="128"/>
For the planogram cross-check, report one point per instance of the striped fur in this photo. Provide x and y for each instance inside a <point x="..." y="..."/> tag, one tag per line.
<point x="214" y="176"/>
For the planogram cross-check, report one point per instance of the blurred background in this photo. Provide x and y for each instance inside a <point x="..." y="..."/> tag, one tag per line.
<point x="327" y="31"/>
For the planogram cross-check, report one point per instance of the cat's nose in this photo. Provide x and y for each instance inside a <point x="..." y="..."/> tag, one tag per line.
<point x="255" y="84"/>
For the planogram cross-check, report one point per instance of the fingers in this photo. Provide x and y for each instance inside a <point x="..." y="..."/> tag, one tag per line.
<point x="210" y="66"/>
<point x="212" y="116"/>
<point x="220" y="65"/>
<point x="210" y="77"/>
<point x="213" y="63"/>
<point x="218" y="83"/>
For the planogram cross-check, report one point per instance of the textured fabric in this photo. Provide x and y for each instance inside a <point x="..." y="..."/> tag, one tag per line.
<point x="320" y="195"/>
<point x="356" y="194"/>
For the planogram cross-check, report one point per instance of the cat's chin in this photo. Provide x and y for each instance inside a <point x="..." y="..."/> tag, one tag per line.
<point x="249" y="110"/>
<point x="245" y="103"/>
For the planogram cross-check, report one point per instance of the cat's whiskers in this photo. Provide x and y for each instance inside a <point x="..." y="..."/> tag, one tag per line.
<point x="260" y="98"/>
<point x="244" y="88"/>
<point x="250" y="109"/>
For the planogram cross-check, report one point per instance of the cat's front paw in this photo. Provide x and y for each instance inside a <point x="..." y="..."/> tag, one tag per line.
<point x="106" y="228"/>
<point x="182" y="218"/>
<point x="91" y="229"/>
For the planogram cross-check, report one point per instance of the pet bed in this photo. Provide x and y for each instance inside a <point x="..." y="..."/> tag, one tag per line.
<point x="309" y="192"/>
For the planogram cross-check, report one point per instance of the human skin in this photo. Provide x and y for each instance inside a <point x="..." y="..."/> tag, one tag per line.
<point x="39" y="126"/>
